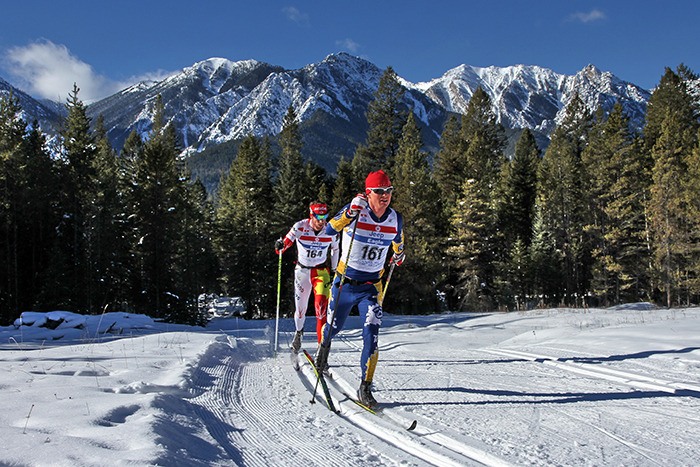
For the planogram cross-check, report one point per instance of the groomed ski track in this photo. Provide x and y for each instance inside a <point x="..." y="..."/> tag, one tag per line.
<point x="250" y="405"/>
<point x="514" y="404"/>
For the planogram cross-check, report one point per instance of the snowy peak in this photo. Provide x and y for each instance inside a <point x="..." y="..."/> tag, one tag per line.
<point x="218" y="100"/>
<point x="48" y="114"/>
<point x="335" y="86"/>
<point x="534" y="97"/>
<point x="219" y="75"/>
<point x="194" y="99"/>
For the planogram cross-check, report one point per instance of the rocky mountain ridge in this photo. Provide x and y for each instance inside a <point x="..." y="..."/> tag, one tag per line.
<point x="219" y="101"/>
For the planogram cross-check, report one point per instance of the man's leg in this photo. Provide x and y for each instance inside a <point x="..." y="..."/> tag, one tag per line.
<point x="302" y="290"/>
<point x="372" y="313"/>
<point x="321" y="283"/>
<point x="339" y="307"/>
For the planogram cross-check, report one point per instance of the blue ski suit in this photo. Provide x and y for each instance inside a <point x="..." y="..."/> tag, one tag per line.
<point x="363" y="266"/>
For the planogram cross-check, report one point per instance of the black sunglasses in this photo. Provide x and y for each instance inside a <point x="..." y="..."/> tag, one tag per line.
<point x="382" y="191"/>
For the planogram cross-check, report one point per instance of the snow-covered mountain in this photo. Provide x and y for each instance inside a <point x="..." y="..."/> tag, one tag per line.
<point x="219" y="101"/>
<point x="47" y="113"/>
<point x="535" y="97"/>
<point x="195" y="99"/>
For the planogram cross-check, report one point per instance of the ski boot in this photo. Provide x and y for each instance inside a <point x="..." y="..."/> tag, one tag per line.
<point x="364" y="395"/>
<point x="296" y="343"/>
<point x="322" y="358"/>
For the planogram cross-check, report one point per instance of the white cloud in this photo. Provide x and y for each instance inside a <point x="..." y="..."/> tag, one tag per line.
<point x="47" y="70"/>
<point x="593" y="15"/>
<point x="295" y="15"/>
<point x="349" y="45"/>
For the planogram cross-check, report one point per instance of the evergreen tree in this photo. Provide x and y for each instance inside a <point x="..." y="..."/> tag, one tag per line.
<point x="385" y="119"/>
<point x="469" y="251"/>
<point x="40" y="217"/>
<point x="72" y="278"/>
<point x="291" y="190"/>
<point x="243" y="238"/>
<point x="129" y="161"/>
<point x="692" y="192"/>
<point x="546" y="263"/>
<point x="170" y="220"/>
<point x="617" y="175"/>
<point x="561" y="200"/>
<point x="198" y="267"/>
<point x="345" y="186"/>
<point x="628" y="205"/>
<point x="450" y="165"/>
<point x="416" y="197"/>
<point x="473" y="246"/>
<point x="670" y="136"/>
<point x="28" y="189"/>
<point x="668" y="207"/>
<point x="449" y="172"/>
<point x="111" y="256"/>
<point x="518" y="285"/>
<point x="673" y="92"/>
<point x="154" y="200"/>
<point x="515" y="205"/>
<point x="519" y="181"/>
<point x="483" y="140"/>
<point x="12" y="130"/>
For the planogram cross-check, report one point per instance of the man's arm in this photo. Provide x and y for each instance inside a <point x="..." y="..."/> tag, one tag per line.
<point x="397" y="243"/>
<point x="339" y="222"/>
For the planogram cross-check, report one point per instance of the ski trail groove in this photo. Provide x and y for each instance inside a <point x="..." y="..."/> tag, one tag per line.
<point x="427" y="433"/>
<point x="430" y="434"/>
<point x="609" y="374"/>
<point x="629" y="445"/>
<point x="425" y="444"/>
<point x="242" y="411"/>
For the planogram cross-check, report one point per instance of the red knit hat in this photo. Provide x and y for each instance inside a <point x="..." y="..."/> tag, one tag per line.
<point x="377" y="179"/>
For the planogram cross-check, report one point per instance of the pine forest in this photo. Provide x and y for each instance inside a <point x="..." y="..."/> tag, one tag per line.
<point x="606" y="214"/>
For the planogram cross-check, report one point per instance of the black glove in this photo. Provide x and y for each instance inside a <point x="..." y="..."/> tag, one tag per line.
<point x="279" y="245"/>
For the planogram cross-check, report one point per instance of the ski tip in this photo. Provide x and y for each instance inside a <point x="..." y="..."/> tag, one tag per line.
<point x="413" y="425"/>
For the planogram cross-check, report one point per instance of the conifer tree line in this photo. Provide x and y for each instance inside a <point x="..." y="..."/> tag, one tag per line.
<point x="605" y="215"/>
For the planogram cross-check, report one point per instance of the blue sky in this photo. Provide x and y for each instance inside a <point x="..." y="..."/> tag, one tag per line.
<point x="46" y="45"/>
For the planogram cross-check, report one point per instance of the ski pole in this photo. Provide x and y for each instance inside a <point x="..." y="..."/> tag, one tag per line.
<point x="372" y="364"/>
<point x="331" y="315"/>
<point x="386" y="284"/>
<point x="279" y="287"/>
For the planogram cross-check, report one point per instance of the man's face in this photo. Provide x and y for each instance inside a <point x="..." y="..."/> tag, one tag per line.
<point x="318" y="222"/>
<point x="379" y="198"/>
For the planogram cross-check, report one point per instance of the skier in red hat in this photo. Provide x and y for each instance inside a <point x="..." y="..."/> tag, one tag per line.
<point x="317" y="256"/>
<point x="371" y="231"/>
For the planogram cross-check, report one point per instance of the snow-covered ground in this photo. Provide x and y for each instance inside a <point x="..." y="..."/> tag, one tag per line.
<point x="546" y="387"/>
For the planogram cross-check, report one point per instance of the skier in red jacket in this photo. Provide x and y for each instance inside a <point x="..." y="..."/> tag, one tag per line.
<point x="317" y="256"/>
